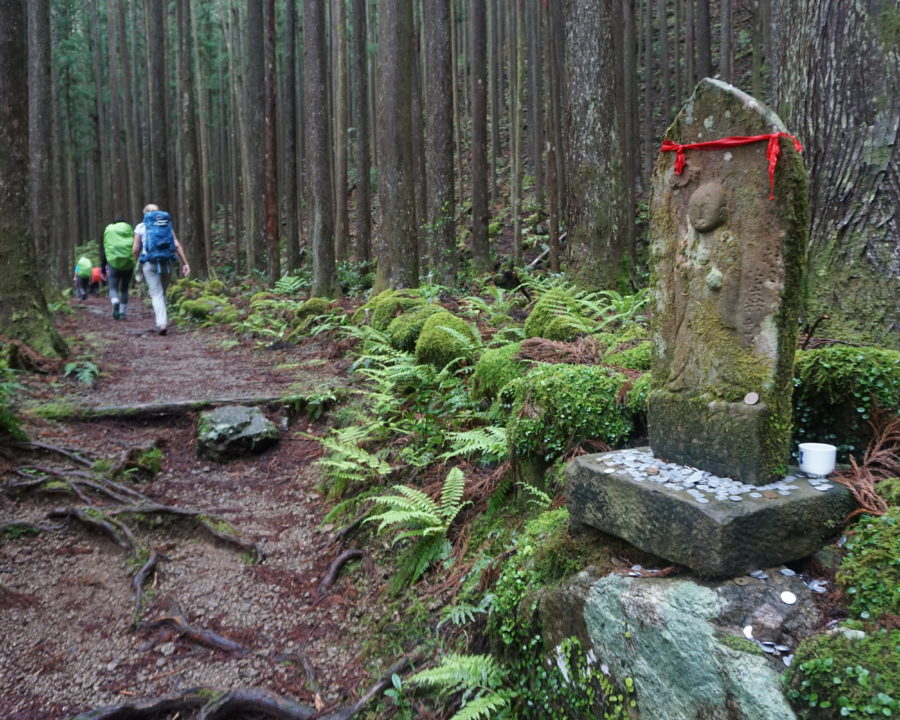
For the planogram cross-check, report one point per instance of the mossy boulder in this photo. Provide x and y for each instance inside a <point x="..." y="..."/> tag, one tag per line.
<point x="495" y="368"/>
<point x="209" y="307"/>
<point x="262" y="297"/>
<point x="846" y="673"/>
<point x="556" y="407"/>
<point x="385" y="306"/>
<point x="445" y="338"/>
<point x="184" y="289"/>
<point x="556" y="317"/>
<point x="835" y="390"/>
<point x="404" y="329"/>
<point x="312" y="307"/>
<point x="217" y="287"/>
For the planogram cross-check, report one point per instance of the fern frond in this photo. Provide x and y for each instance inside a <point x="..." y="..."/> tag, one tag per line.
<point x="451" y="494"/>
<point x="483" y="706"/>
<point x="489" y="442"/>
<point x="461" y="672"/>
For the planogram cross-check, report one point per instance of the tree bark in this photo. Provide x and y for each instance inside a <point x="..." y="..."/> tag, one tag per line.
<point x="597" y="200"/>
<point x="398" y="264"/>
<point x="726" y="47"/>
<point x="316" y="95"/>
<point x="704" y="41"/>
<point x="156" y="115"/>
<point x="273" y="252"/>
<point x="834" y="68"/>
<point x="481" y="256"/>
<point x="254" y="87"/>
<point x="40" y="134"/>
<point x="23" y="309"/>
<point x="360" y="65"/>
<point x="341" y="115"/>
<point x="440" y="221"/>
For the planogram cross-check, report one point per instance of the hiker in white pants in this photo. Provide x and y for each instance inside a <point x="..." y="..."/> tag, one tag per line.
<point x="158" y="273"/>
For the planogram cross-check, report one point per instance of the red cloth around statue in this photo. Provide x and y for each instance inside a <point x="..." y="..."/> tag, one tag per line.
<point x="772" y="151"/>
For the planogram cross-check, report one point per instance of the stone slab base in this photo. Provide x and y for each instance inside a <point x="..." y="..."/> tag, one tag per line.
<point x="715" y="538"/>
<point x="730" y="439"/>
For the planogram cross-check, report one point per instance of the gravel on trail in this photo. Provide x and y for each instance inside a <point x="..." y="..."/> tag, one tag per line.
<point x="67" y="634"/>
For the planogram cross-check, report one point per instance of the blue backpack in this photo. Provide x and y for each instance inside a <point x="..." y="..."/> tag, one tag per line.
<point x="159" y="239"/>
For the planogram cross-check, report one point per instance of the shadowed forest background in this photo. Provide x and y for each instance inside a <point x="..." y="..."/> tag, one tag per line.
<point x="437" y="139"/>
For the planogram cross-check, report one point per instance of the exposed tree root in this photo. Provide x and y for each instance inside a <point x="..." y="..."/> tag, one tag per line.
<point x="242" y="702"/>
<point x="130" y="502"/>
<point x="177" y="621"/>
<point x="190" y="701"/>
<point x="94" y="518"/>
<point x="335" y="568"/>
<point x="137" y="583"/>
<point x="71" y="454"/>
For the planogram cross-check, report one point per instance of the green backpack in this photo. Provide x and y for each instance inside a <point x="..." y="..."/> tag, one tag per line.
<point x="83" y="267"/>
<point x="117" y="242"/>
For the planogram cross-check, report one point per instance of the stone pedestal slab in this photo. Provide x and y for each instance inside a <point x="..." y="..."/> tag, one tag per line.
<point x="714" y="537"/>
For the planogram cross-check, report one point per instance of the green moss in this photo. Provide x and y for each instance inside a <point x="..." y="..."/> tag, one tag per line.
<point x="558" y="406"/>
<point x="741" y="644"/>
<point x="636" y="357"/>
<point x="209" y="307"/>
<point x="404" y="329"/>
<point x="870" y="571"/>
<point x="835" y="389"/>
<point x="494" y="369"/>
<point x="555" y="316"/>
<point x="382" y="308"/>
<point x="445" y="338"/>
<point x="55" y="410"/>
<point x="889" y="489"/>
<point x="834" y="676"/>
<point x="312" y="307"/>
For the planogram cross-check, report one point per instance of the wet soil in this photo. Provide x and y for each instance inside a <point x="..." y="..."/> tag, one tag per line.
<point x="67" y="634"/>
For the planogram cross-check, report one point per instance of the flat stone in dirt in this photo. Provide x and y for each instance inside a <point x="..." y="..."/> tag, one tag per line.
<point x="729" y="262"/>
<point x="233" y="431"/>
<point x="716" y="538"/>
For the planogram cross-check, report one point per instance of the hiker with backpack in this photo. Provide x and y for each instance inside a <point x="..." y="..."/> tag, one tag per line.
<point x="115" y="253"/>
<point x="82" y="276"/>
<point x="156" y="248"/>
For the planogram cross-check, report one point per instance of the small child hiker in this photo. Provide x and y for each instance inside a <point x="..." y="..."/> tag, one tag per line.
<point x="115" y="252"/>
<point x="156" y="248"/>
<point x="82" y="277"/>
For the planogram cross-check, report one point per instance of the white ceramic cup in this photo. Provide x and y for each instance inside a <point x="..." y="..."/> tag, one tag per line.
<point x="817" y="458"/>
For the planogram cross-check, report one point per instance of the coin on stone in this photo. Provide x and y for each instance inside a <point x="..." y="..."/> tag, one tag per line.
<point x="751" y="398"/>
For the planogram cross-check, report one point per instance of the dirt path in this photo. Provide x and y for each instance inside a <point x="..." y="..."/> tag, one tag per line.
<point x="66" y="604"/>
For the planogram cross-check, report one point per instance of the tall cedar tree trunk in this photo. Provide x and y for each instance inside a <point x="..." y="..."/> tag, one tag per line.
<point x="441" y="209"/>
<point x="23" y="309"/>
<point x="704" y="40"/>
<point x="360" y="65"/>
<point x="40" y="134"/>
<point x="598" y="211"/>
<point x="156" y="114"/>
<point x="103" y="172"/>
<point x="254" y="87"/>
<point x="836" y="66"/>
<point x="316" y="95"/>
<point x="481" y="256"/>
<point x="726" y="49"/>
<point x="190" y="230"/>
<point x="201" y="122"/>
<point x="292" y="206"/>
<point x="517" y="97"/>
<point x="119" y="185"/>
<point x="273" y="253"/>
<point x="398" y="265"/>
<point x="341" y="218"/>
<point x="535" y="97"/>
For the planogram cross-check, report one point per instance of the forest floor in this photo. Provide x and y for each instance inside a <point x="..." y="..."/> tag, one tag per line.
<point x="67" y="606"/>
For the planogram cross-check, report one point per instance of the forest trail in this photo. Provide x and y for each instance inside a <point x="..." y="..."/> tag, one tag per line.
<point x="66" y="599"/>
